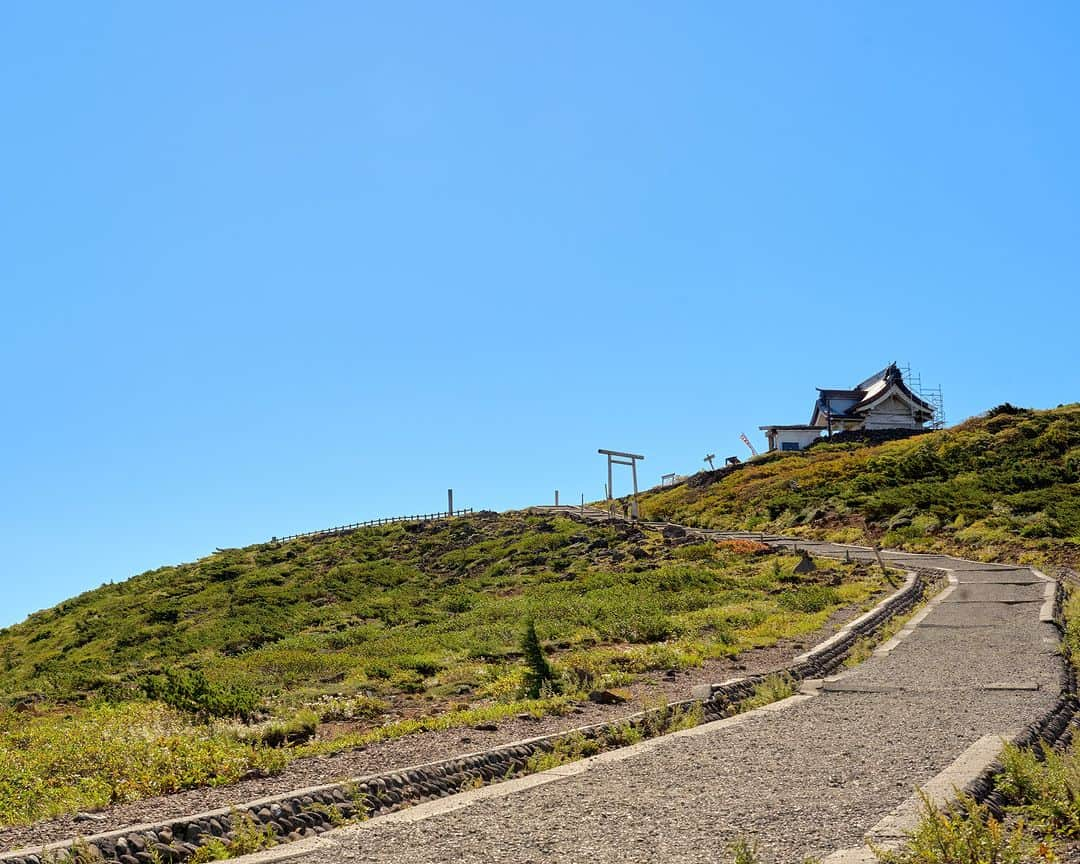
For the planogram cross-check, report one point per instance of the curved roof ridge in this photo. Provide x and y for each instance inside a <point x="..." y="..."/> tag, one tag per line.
<point x="890" y="371"/>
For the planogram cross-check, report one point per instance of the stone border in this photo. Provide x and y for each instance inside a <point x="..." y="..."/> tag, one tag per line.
<point x="1055" y="728"/>
<point x="312" y="811"/>
<point x="892" y="830"/>
<point x="981" y="761"/>
<point x="305" y="848"/>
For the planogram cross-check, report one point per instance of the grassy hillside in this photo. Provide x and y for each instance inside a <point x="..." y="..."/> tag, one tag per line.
<point x="200" y="673"/>
<point x="433" y="609"/>
<point x="1002" y="486"/>
<point x="384" y="631"/>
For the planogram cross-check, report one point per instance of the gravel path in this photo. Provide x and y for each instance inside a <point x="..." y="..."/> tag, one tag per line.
<point x="802" y="781"/>
<point x="417" y="749"/>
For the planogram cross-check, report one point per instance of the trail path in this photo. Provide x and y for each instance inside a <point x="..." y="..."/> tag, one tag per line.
<point x="806" y="778"/>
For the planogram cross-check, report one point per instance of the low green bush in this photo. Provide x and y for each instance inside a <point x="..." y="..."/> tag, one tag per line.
<point x="1046" y="786"/>
<point x="190" y="690"/>
<point x="963" y="834"/>
<point x="772" y="689"/>
<point x="285" y="733"/>
<point x="810" y="598"/>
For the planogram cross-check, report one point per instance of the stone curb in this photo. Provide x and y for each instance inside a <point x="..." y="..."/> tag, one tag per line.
<point x="309" y="812"/>
<point x="305" y="848"/>
<point x="892" y="831"/>
<point x="842" y="633"/>
<point x="1054" y="729"/>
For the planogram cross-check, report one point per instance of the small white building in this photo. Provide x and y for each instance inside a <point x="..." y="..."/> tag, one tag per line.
<point x="882" y="401"/>
<point x="791" y="437"/>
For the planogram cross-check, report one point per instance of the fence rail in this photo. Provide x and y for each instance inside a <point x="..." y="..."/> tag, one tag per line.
<point x="390" y="520"/>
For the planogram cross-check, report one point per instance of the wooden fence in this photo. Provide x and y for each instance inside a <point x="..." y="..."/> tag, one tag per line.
<point x="345" y="529"/>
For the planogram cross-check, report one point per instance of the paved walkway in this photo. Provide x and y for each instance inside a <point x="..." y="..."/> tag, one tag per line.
<point x="804" y="780"/>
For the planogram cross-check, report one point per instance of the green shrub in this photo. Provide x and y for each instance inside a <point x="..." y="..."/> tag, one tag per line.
<point x="638" y="625"/>
<point x="962" y="834"/>
<point x="1047" y="785"/>
<point x="810" y="598"/>
<point x="663" y="718"/>
<point x="297" y="729"/>
<point x="212" y="850"/>
<point x="539" y="675"/>
<point x="190" y="690"/>
<point x="352" y="708"/>
<point x="772" y="689"/>
<point x="570" y="748"/>
<point x="696" y="552"/>
<point x="249" y="836"/>
<point x="744" y="851"/>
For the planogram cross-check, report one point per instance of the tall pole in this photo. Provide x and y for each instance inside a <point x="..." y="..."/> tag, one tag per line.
<point x="610" y="488"/>
<point x="450" y="501"/>
<point x="633" y="469"/>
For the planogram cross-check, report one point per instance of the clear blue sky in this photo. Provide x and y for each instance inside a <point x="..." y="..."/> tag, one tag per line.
<point x="268" y="267"/>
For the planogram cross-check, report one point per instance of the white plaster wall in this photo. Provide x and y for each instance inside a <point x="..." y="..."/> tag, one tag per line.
<point x="802" y="437"/>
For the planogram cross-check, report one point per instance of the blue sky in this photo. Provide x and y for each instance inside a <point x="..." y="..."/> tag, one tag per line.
<point x="268" y="267"/>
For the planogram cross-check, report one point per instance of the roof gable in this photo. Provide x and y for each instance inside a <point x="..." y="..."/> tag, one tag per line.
<point x="895" y="391"/>
<point x="869" y="394"/>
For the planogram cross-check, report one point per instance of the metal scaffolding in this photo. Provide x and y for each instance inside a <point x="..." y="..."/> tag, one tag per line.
<point x="930" y="395"/>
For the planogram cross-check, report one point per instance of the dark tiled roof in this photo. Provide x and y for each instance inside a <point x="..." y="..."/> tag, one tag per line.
<point x="868" y="392"/>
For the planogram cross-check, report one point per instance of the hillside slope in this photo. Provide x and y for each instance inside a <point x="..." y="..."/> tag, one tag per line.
<point x="390" y="631"/>
<point x="405" y="609"/>
<point x="356" y="638"/>
<point x="1004" y="486"/>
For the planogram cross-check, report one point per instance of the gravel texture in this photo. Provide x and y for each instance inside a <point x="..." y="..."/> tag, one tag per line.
<point x="985" y="593"/>
<point x="804" y="781"/>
